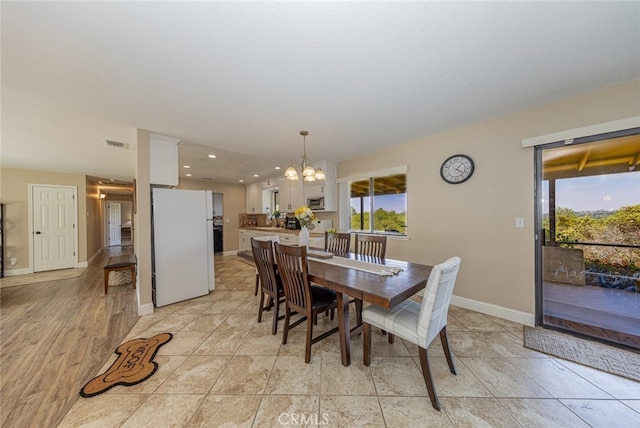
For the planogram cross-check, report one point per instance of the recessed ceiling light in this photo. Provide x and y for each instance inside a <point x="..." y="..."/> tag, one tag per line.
<point x="187" y="166"/>
<point x="212" y="156"/>
<point x="277" y="167"/>
<point x="256" y="175"/>
<point x="188" y="175"/>
<point x="241" y="181"/>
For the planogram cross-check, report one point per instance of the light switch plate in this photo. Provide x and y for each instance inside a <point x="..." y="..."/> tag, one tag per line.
<point x="519" y="222"/>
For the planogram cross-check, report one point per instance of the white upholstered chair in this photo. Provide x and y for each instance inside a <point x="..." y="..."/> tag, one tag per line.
<point x="418" y="323"/>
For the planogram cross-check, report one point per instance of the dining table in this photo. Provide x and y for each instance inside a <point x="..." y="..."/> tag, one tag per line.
<point x="349" y="276"/>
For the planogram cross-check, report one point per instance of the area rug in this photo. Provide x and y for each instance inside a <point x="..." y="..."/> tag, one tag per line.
<point x="134" y="365"/>
<point x="582" y="351"/>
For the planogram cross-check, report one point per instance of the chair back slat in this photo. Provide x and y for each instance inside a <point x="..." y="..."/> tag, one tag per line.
<point x="436" y="300"/>
<point x="293" y="269"/>
<point x="373" y="246"/>
<point x="263" y="257"/>
<point x="337" y="243"/>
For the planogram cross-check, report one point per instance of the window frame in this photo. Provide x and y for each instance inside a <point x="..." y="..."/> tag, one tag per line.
<point x="371" y="176"/>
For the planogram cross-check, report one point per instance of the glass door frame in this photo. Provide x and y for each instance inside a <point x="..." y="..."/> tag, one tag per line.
<point x="538" y="216"/>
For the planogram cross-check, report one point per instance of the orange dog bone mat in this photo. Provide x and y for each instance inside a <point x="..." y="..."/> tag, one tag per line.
<point x="134" y="365"/>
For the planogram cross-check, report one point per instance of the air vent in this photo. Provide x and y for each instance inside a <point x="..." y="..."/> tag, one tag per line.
<point x="208" y="178"/>
<point x="117" y="144"/>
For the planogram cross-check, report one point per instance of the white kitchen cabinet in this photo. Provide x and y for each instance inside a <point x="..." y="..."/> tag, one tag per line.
<point x="244" y="239"/>
<point x="326" y="188"/>
<point x="163" y="160"/>
<point x="254" y="198"/>
<point x="269" y="183"/>
<point x="287" y="238"/>
<point x="291" y="195"/>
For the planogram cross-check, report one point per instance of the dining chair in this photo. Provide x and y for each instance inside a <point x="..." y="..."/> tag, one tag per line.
<point x="300" y="296"/>
<point x="418" y="323"/>
<point x="371" y="246"/>
<point x="374" y="249"/>
<point x="270" y="280"/>
<point x="274" y="238"/>
<point x="337" y="243"/>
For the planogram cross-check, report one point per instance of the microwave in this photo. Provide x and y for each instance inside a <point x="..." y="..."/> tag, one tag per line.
<point x="316" y="203"/>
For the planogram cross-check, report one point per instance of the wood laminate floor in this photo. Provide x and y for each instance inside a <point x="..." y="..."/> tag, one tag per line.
<point x="54" y="336"/>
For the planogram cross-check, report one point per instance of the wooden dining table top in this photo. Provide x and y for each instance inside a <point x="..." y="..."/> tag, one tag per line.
<point x="385" y="291"/>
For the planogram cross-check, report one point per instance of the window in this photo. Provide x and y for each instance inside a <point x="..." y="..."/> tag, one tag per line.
<point x="383" y="195"/>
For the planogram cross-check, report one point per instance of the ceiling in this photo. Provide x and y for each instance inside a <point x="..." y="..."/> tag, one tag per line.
<point x="241" y="79"/>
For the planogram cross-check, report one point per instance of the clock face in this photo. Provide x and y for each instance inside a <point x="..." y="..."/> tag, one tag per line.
<point x="456" y="169"/>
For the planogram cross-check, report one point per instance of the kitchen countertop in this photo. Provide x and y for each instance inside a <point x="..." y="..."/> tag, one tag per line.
<point x="278" y="230"/>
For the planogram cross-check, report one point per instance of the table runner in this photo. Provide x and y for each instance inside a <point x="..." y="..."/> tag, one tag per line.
<point x="375" y="268"/>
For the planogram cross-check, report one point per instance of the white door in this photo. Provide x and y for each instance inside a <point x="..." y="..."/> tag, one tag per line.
<point x="54" y="229"/>
<point x="115" y="222"/>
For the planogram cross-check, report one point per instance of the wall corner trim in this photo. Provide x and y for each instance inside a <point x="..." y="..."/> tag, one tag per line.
<point x="146" y="309"/>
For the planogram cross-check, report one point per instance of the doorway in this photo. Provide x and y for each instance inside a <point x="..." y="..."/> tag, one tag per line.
<point x="53" y="227"/>
<point x="588" y="237"/>
<point x="118" y="222"/>
<point x="114" y="222"/>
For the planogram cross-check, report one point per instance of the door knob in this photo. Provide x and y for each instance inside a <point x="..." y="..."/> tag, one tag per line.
<point x="38" y="233"/>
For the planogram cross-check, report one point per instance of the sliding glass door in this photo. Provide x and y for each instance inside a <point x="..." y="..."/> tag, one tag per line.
<point x="588" y="237"/>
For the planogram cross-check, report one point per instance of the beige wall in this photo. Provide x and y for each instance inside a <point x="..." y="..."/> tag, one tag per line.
<point x="142" y="220"/>
<point x="476" y="219"/>
<point x="15" y="194"/>
<point x="234" y="202"/>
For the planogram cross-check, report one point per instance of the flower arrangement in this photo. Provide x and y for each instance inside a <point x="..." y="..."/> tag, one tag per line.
<point x="305" y="216"/>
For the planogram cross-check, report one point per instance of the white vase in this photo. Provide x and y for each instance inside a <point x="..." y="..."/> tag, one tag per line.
<point x="304" y="237"/>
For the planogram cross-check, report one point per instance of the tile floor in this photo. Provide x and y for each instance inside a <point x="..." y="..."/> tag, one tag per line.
<point x="222" y="368"/>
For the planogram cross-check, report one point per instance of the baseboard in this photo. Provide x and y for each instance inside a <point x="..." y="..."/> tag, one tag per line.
<point x="230" y="253"/>
<point x="83" y="264"/>
<point x="146" y="309"/>
<point x="95" y="255"/>
<point x="494" y="310"/>
<point x="16" y="272"/>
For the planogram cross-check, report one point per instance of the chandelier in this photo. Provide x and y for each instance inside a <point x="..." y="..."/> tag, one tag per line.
<point x="309" y="173"/>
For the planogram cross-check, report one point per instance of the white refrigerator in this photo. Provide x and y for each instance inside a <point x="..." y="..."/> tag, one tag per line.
<point x="182" y="245"/>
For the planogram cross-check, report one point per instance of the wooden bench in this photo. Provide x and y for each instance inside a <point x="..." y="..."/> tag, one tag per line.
<point x="127" y="262"/>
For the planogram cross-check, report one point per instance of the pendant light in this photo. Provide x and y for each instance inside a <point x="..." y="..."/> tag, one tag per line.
<point x="309" y="173"/>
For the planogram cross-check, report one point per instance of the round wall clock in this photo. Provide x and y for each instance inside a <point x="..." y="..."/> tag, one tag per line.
<point x="457" y="169"/>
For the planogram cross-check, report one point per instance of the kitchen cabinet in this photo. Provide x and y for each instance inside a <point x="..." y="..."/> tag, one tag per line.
<point x="291" y="195"/>
<point x="254" y="198"/>
<point x="326" y="188"/>
<point x="244" y="239"/>
<point x="163" y="160"/>
<point x="245" y="235"/>
<point x="272" y="182"/>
